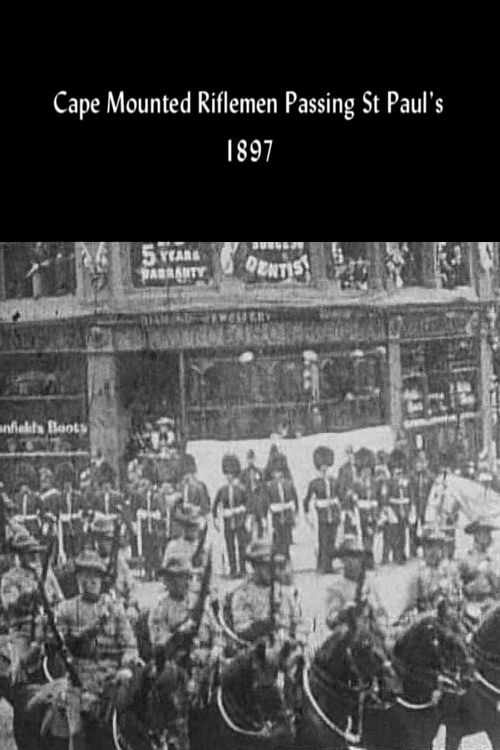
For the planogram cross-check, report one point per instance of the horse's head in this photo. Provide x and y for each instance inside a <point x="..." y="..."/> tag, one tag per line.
<point x="431" y="656"/>
<point x="166" y="706"/>
<point x="357" y="655"/>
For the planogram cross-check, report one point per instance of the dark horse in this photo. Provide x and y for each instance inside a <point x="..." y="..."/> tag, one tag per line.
<point x="143" y="717"/>
<point x="479" y="708"/>
<point x="347" y="684"/>
<point x="435" y="669"/>
<point x="245" y="708"/>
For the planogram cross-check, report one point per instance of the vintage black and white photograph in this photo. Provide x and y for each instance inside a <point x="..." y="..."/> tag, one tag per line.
<point x="249" y="495"/>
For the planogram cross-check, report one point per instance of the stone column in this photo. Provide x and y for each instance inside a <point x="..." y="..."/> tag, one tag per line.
<point x="430" y="275"/>
<point x="485" y="390"/>
<point x="375" y="254"/>
<point x="483" y="261"/>
<point x="395" y="373"/>
<point x="318" y="264"/>
<point x="105" y="418"/>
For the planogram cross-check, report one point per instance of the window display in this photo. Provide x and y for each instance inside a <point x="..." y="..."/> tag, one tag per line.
<point x="347" y="263"/>
<point x="39" y="269"/>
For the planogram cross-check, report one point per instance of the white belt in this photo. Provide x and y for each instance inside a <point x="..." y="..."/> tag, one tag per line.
<point x="229" y="512"/>
<point x="329" y="503"/>
<point x="279" y="507"/>
<point x="69" y="516"/>
<point x="400" y="500"/>
<point x="32" y="517"/>
<point x="148" y="514"/>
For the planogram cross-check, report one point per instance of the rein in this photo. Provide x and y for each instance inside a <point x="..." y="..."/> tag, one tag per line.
<point x="346" y="734"/>
<point x="264" y="732"/>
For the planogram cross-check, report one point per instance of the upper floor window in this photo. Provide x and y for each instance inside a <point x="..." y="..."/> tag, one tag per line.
<point x="347" y="263"/>
<point x="39" y="269"/>
<point x="453" y="265"/>
<point x="404" y="263"/>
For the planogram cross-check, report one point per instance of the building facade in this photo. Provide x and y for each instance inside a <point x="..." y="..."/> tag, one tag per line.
<point x="98" y="340"/>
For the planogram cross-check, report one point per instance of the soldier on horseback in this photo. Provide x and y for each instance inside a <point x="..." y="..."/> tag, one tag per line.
<point x="20" y="599"/>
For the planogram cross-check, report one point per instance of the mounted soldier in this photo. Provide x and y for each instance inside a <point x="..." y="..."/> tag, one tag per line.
<point x="253" y="480"/>
<point x="100" y="639"/>
<point x="479" y="570"/>
<point x="323" y="491"/>
<point x="191" y="544"/>
<point x="27" y="500"/>
<point x="283" y="505"/>
<point x="232" y="499"/>
<point x="118" y="576"/>
<point x="20" y="598"/>
<point x="70" y="518"/>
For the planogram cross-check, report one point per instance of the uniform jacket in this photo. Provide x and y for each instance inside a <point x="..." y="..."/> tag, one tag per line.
<point x="50" y="502"/>
<point x="253" y="481"/>
<point x="420" y="487"/>
<point x="195" y="493"/>
<point x="324" y="491"/>
<point x="233" y="502"/>
<point x="19" y="594"/>
<point x="124" y="584"/>
<point x="283" y="501"/>
<point x="431" y="584"/>
<point x="27" y="503"/>
<point x="480" y="575"/>
<point x="249" y="604"/>
<point x="168" y="614"/>
<point x="108" y="503"/>
<point x="346" y="477"/>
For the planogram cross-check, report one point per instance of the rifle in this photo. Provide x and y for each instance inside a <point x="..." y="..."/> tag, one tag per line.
<point x="272" y="603"/>
<point x="197" y="557"/>
<point x="361" y="580"/>
<point x="112" y="569"/>
<point x="43" y="578"/>
<point x="60" y="643"/>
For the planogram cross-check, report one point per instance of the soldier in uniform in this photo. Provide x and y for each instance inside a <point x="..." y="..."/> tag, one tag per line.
<point x="253" y="480"/>
<point x="105" y="500"/>
<point x="27" y="500"/>
<point x="20" y="598"/>
<point x="387" y="518"/>
<point x="323" y="491"/>
<point x="248" y="606"/>
<point x="274" y="453"/>
<point x="479" y="570"/>
<point x="437" y="581"/>
<point x="421" y="481"/>
<point x="49" y="503"/>
<point x="149" y="521"/>
<point x="100" y="638"/>
<point x="233" y="501"/>
<point x="400" y="501"/>
<point x="194" y="492"/>
<point x="283" y="506"/>
<point x="348" y="473"/>
<point x="192" y="545"/>
<point x="70" y="520"/>
<point x="123" y="585"/>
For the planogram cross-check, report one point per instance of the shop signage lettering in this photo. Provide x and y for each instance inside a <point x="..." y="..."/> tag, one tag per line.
<point x="439" y="324"/>
<point x="274" y="262"/>
<point x="46" y="338"/>
<point x="51" y="427"/>
<point x="171" y="263"/>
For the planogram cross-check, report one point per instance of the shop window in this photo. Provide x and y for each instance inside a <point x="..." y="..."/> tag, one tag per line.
<point x="403" y="263"/>
<point x="440" y="378"/>
<point x="39" y="269"/>
<point x="453" y="264"/>
<point x="347" y="263"/>
<point x="299" y="393"/>
<point x="43" y="406"/>
<point x="172" y="264"/>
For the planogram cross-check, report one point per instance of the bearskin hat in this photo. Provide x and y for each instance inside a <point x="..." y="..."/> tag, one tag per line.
<point x="150" y="472"/>
<point x="231" y="465"/>
<point x="105" y="474"/>
<point x="364" y="458"/>
<point x="26" y="476"/>
<point x="397" y="460"/>
<point x="189" y="464"/>
<point x="323" y="456"/>
<point x="65" y="473"/>
<point x="278" y="463"/>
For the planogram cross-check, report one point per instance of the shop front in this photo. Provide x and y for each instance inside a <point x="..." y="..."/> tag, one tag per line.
<point x="43" y="401"/>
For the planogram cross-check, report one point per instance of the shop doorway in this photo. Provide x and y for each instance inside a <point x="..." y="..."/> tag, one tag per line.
<point x="150" y="391"/>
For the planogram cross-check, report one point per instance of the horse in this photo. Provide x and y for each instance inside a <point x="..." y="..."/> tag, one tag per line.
<point x="145" y="715"/>
<point x="348" y="685"/>
<point x="478" y="710"/>
<point x="435" y="668"/>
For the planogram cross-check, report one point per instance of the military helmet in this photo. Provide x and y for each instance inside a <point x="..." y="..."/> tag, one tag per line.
<point x="479" y="524"/>
<point x="176" y="565"/>
<point x="90" y="560"/>
<point x="231" y="465"/>
<point x="260" y="552"/>
<point x="26" y="476"/>
<point x="65" y="473"/>
<point x="189" y="464"/>
<point x="105" y="474"/>
<point x="323" y="456"/>
<point x="24" y="542"/>
<point x="103" y="526"/>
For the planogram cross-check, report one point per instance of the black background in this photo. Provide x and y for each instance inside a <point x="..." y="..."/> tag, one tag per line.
<point x="133" y="171"/>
